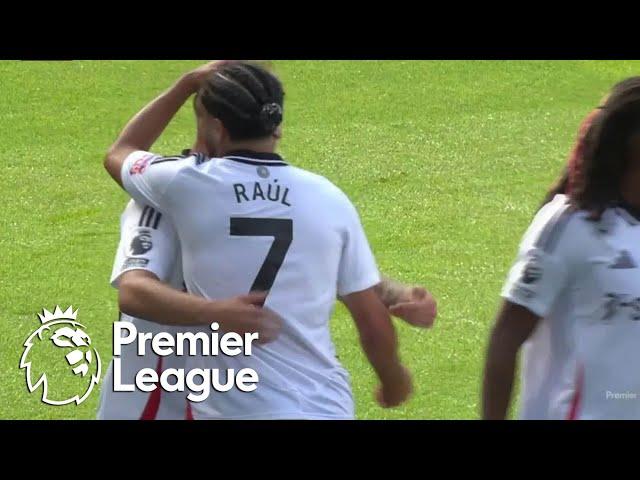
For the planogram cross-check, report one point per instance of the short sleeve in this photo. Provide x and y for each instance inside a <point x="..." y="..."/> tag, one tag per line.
<point x="148" y="242"/>
<point x="545" y="263"/>
<point x="358" y="270"/>
<point x="146" y="176"/>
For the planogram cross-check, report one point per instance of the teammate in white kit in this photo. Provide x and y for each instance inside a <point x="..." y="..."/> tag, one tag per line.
<point x="147" y="242"/>
<point x="248" y="221"/>
<point x="573" y="296"/>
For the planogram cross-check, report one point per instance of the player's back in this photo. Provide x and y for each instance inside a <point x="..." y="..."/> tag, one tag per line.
<point x="251" y="222"/>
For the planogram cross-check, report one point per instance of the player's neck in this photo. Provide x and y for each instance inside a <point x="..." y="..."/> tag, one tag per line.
<point x="200" y="147"/>
<point x="266" y="145"/>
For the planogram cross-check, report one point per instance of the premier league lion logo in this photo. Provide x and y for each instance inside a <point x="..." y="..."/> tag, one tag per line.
<point x="141" y="244"/>
<point x="62" y="348"/>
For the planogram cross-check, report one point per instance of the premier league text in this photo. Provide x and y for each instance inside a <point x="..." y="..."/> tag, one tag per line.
<point x="199" y="382"/>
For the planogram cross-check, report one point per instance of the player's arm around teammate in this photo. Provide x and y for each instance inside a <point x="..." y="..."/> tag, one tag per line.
<point x="143" y="294"/>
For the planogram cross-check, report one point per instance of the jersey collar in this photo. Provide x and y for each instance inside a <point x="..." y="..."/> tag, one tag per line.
<point x="256" y="158"/>
<point x="200" y="157"/>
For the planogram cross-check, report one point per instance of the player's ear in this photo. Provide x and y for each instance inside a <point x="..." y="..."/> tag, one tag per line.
<point x="218" y="130"/>
<point x="214" y="132"/>
<point x="278" y="133"/>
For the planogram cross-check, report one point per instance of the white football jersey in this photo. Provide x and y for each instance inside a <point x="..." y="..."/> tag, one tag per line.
<point x="251" y="222"/>
<point x="147" y="242"/>
<point x="583" y="278"/>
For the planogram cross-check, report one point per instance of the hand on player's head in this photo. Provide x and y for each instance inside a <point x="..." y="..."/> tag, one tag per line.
<point x="200" y="75"/>
<point x="419" y="310"/>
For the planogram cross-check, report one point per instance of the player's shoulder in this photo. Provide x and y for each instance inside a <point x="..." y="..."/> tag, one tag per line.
<point x="560" y="221"/>
<point x="184" y="160"/>
<point x="132" y="210"/>
<point x="136" y="214"/>
<point x="143" y="162"/>
<point x="319" y="184"/>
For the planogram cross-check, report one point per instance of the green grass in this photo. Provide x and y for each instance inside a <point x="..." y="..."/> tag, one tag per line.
<point x="446" y="162"/>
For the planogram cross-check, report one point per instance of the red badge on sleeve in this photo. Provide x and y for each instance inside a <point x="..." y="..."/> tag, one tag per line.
<point x="140" y="165"/>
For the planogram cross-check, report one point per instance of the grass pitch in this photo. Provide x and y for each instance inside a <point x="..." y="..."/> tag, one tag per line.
<point x="446" y="161"/>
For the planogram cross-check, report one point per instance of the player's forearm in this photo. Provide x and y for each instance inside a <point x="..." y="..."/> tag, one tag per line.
<point x="514" y="325"/>
<point x="157" y="302"/>
<point x="380" y="344"/>
<point x="392" y="292"/>
<point x="499" y="375"/>
<point x="147" y="125"/>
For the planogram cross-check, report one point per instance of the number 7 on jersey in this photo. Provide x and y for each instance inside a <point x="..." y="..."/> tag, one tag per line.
<point x="282" y="232"/>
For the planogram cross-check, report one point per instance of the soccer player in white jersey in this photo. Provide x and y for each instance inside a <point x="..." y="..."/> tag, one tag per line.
<point x="248" y="221"/>
<point x="573" y="296"/>
<point x="147" y="242"/>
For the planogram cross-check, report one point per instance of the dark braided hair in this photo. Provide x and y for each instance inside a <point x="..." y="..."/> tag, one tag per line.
<point x="246" y="98"/>
<point x="608" y="149"/>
